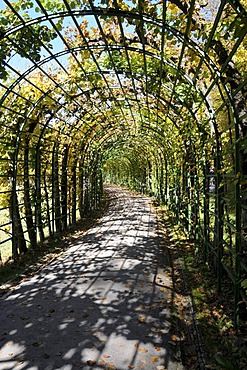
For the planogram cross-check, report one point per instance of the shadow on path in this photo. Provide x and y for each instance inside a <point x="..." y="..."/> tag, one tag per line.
<point x="102" y="304"/>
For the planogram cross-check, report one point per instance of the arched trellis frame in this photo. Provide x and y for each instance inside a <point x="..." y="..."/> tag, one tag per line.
<point x="186" y="109"/>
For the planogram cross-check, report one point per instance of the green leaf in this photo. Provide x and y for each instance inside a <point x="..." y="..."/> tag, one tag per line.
<point x="4" y="21"/>
<point x="244" y="284"/>
<point x="240" y="30"/>
<point x="227" y="365"/>
<point x="73" y="4"/>
<point x="59" y="26"/>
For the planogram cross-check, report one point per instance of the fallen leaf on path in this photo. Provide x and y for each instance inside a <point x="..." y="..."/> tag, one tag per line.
<point x="106" y="356"/>
<point x="142" y="319"/>
<point x="139" y="308"/>
<point x="157" y="348"/>
<point x="20" y="362"/>
<point x="110" y="366"/>
<point x="155" y="359"/>
<point x="142" y="350"/>
<point x="102" y="362"/>
<point x="91" y="362"/>
<point x="131" y="366"/>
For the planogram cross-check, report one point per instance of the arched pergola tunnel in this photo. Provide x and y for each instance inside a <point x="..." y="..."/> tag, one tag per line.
<point x="147" y="95"/>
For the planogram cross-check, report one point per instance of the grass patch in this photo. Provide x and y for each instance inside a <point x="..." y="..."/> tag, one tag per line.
<point x="5" y="235"/>
<point x="224" y="348"/>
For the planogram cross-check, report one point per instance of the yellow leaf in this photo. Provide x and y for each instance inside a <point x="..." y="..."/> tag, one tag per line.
<point x="174" y="338"/>
<point x="155" y="359"/>
<point x="142" y="350"/>
<point x="142" y="319"/>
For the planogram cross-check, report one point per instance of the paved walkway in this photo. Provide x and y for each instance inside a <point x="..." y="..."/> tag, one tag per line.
<point x="100" y="305"/>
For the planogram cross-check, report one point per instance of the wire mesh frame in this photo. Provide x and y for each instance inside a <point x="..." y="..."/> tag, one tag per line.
<point x="185" y="40"/>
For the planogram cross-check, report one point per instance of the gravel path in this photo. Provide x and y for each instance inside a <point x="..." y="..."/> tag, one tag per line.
<point x="102" y="304"/>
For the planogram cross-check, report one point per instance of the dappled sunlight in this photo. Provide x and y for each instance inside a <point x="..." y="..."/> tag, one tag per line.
<point x="147" y="95"/>
<point x="97" y="304"/>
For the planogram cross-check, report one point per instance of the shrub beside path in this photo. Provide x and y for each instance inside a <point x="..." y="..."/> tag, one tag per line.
<point x="102" y="304"/>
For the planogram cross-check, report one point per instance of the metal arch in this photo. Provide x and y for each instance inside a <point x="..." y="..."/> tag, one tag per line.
<point x="95" y="12"/>
<point x="114" y="127"/>
<point x="175" y="32"/>
<point x="105" y="138"/>
<point x="114" y="47"/>
<point x="91" y="128"/>
<point x="86" y="144"/>
<point x="62" y="106"/>
<point x="106" y="143"/>
<point x="97" y="89"/>
<point x="157" y="153"/>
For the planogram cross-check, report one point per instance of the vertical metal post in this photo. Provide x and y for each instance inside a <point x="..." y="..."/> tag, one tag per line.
<point x="38" y="197"/>
<point x="13" y="207"/>
<point x="53" y="189"/>
<point x="64" y="187"/>
<point x="12" y="181"/>
<point x="74" y="190"/>
<point x="238" y="229"/>
<point x="219" y="216"/>
<point x="205" y="212"/>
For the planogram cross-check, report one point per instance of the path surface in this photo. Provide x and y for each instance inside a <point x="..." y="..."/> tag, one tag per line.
<point x="100" y="305"/>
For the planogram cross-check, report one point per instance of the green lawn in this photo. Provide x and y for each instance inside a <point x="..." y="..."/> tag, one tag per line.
<point x="5" y="247"/>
